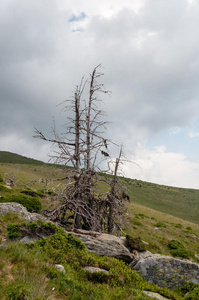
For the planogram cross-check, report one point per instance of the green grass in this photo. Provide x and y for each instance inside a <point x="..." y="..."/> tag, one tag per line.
<point x="169" y="228"/>
<point x="179" y="202"/>
<point x="149" y="212"/>
<point x="155" y="216"/>
<point x="28" y="272"/>
<point x="8" y="157"/>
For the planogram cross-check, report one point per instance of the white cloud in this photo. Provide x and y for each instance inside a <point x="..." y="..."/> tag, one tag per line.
<point x="104" y="8"/>
<point x="162" y="167"/>
<point x="193" y="134"/>
<point x="28" y="148"/>
<point x="149" y="51"/>
<point x="175" y="131"/>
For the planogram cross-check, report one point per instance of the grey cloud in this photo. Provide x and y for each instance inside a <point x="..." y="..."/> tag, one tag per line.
<point x="150" y="60"/>
<point x="155" y="79"/>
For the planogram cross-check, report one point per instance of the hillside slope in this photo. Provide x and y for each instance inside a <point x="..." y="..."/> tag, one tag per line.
<point x="179" y="202"/>
<point x="13" y="158"/>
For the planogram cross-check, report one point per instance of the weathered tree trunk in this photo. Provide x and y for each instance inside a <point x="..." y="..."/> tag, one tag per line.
<point x="112" y="195"/>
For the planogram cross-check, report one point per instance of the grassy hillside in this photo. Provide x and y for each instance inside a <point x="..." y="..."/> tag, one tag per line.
<point x="149" y="206"/>
<point x="150" y="217"/>
<point x="179" y="202"/>
<point x="8" y="157"/>
<point x="28" y="270"/>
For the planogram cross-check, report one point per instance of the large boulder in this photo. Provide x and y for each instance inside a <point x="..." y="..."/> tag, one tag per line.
<point x="21" y="211"/>
<point x="100" y="244"/>
<point x="165" y="271"/>
<point x="155" y="296"/>
<point x="106" y="244"/>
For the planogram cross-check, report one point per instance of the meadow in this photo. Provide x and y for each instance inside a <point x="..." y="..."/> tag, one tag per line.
<point x="156" y="215"/>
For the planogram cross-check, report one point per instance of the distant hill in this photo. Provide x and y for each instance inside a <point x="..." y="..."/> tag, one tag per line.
<point x="13" y="158"/>
<point x="179" y="202"/>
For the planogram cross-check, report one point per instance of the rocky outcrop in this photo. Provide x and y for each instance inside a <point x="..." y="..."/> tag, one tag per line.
<point x="106" y="244"/>
<point x="96" y="270"/>
<point x="21" y="211"/>
<point x="154" y="295"/>
<point x="165" y="271"/>
<point x="157" y="269"/>
<point x="95" y="242"/>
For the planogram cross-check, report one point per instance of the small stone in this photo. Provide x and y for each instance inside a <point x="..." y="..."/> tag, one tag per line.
<point x="95" y="269"/>
<point x="60" y="268"/>
<point x="155" y="295"/>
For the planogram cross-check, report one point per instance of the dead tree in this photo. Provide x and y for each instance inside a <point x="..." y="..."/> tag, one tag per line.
<point x="82" y="146"/>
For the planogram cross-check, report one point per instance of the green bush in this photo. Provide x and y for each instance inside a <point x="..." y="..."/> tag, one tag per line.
<point x="193" y="295"/>
<point x="136" y="222"/>
<point x="186" y="288"/>
<point x="13" y="231"/>
<point x="175" y="245"/>
<point x="177" y="249"/>
<point x="189" y="228"/>
<point x="50" y="192"/>
<point x="161" y="224"/>
<point x="17" y="292"/>
<point x="141" y="216"/>
<point x="178" y="226"/>
<point x="32" y="228"/>
<point x="97" y="277"/>
<point x="1" y="178"/>
<point x="4" y="189"/>
<point x="33" y="225"/>
<point x="135" y="243"/>
<point x="33" y="193"/>
<point x="33" y="271"/>
<point x="31" y="203"/>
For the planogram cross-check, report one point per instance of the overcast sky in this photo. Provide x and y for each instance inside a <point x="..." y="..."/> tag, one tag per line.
<point x="149" y="51"/>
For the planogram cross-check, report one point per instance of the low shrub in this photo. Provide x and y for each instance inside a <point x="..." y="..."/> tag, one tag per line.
<point x="136" y="222"/>
<point x="183" y="253"/>
<point x="17" y="292"/>
<point x="32" y="204"/>
<point x="189" y="228"/>
<point x="35" y="276"/>
<point x="39" y="227"/>
<point x="186" y="288"/>
<point x="177" y="249"/>
<point x="141" y="216"/>
<point x="193" y="295"/>
<point x="178" y="226"/>
<point x="13" y="231"/>
<point x="50" y="192"/>
<point x="135" y="243"/>
<point x="33" y="193"/>
<point x="97" y="277"/>
<point x="161" y="224"/>
<point x="174" y="244"/>
<point x="4" y="189"/>
<point x="1" y="178"/>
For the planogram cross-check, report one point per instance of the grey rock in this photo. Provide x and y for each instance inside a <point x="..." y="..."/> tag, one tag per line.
<point x="109" y="246"/>
<point x="100" y="244"/>
<point x="94" y="269"/>
<point x="21" y="211"/>
<point x="155" y="295"/>
<point x="28" y="239"/>
<point x="25" y="239"/>
<point x="166" y="271"/>
<point x="60" y="268"/>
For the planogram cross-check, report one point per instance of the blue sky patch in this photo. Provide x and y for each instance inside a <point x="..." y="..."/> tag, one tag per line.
<point x="77" y="18"/>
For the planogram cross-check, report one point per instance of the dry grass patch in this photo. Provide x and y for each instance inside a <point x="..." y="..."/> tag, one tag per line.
<point x="158" y="229"/>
